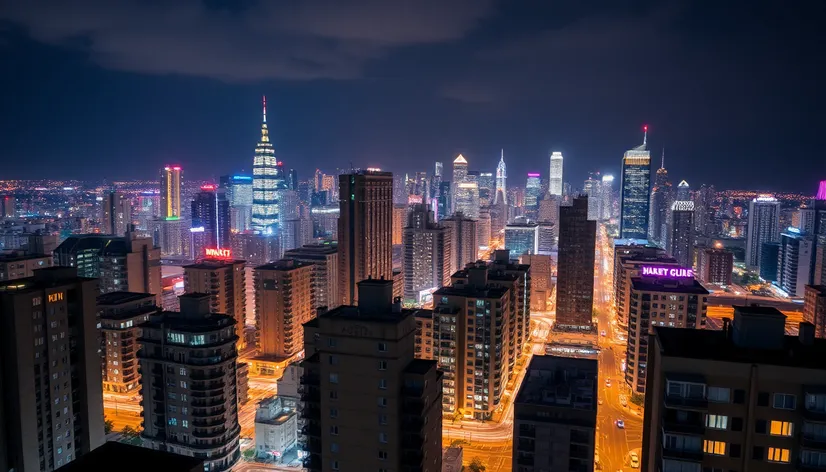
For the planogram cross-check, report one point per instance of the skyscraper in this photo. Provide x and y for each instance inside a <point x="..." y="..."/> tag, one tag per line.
<point x="171" y="192"/>
<point x="795" y="263"/>
<point x="680" y="243"/>
<point x="52" y="403"/>
<point x="284" y="301"/>
<point x="555" y="179"/>
<point x="239" y="195"/>
<point x="367" y="404"/>
<point x="324" y="258"/>
<point x="661" y="196"/>
<point x="210" y="211"/>
<point x="428" y="257"/>
<point x="267" y="179"/>
<point x="459" y="176"/>
<point x="466" y="199"/>
<point x="116" y="213"/>
<point x="635" y="191"/>
<point x="365" y="230"/>
<point x="464" y="240"/>
<point x="593" y="189"/>
<point x="222" y="278"/>
<point x="501" y="178"/>
<point x="575" y="269"/>
<point x="532" y="194"/>
<point x="188" y="382"/>
<point x="521" y="238"/>
<point x="764" y="227"/>
<point x="606" y="199"/>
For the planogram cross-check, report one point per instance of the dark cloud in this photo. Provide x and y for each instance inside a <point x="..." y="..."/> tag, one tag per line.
<point x="294" y="40"/>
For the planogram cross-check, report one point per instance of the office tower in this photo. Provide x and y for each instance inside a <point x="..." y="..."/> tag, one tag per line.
<point x="819" y="234"/>
<point x="606" y="206"/>
<point x="21" y="264"/>
<point x="764" y="227"/>
<point x="769" y="261"/>
<point x="171" y="192"/>
<point x="52" y="404"/>
<point x="267" y="179"/>
<point x="795" y="262"/>
<point x="459" y="176"/>
<point x="121" y="314"/>
<point x="629" y="257"/>
<point x="123" y="264"/>
<point x="466" y="199"/>
<point x="484" y="228"/>
<point x="486" y="183"/>
<point x="276" y="427"/>
<point x="444" y="202"/>
<point x="298" y="231"/>
<point x="7" y="206"/>
<point x="365" y="230"/>
<point x="474" y="322"/>
<point x="222" y="278"/>
<point x="501" y="178"/>
<point x="324" y="258"/>
<point x="804" y="220"/>
<point x="292" y="180"/>
<point x="170" y="235"/>
<point x="498" y="219"/>
<point x="256" y="249"/>
<point x="549" y="209"/>
<point x="284" y="301"/>
<point x="542" y="283"/>
<point x="741" y="399"/>
<point x="522" y="238"/>
<point x="438" y="169"/>
<point x="464" y="240"/>
<point x="125" y="457"/>
<point x="210" y="211"/>
<point x="399" y="223"/>
<point x="428" y="255"/>
<point x="575" y="267"/>
<point x="715" y="265"/>
<point x="591" y="188"/>
<point x="814" y="309"/>
<point x="680" y="242"/>
<point x="704" y="202"/>
<point x="555" y="415"/>
<point x="635" y="188"/>
<point x="367" y="404"/>
<point x="661" y="200"/>
<point x="188" y="383"/>
<point x="555" y="179"/>
<point x="532" y="194"/>
<point x="116" y="213"/>
<point x="239" y="195"/>
<point x="325" y="221"/>
<point x="662" y="295"/>
<point x="547" y="238"/>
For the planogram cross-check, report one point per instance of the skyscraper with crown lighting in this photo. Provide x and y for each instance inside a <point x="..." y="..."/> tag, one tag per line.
<point x="267" y="180"/>
<point x="636" y="190"/>
<point x="501" y="177"/>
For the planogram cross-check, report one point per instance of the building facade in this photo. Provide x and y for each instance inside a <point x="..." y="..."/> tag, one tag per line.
<point x="680" y="242"/>
<point x="522" y="238"/>
<point x="222" y="278"/>
<point x="814" y="308"/>
<point x="324" y="258"/>
<point x="635" y="188"/>
<point x="715" y="266"/>
<point x="428" y="254"/>
<point x="120" y="315"/>
<point x="464" y="240"/>
<point x="764" y="227"/>
<point x="171" y="177"/>
<point x="555" y="174"/>
<point x="284" y="301"/>
<point x="575" y="267"/>
<point x="20" y="264"/>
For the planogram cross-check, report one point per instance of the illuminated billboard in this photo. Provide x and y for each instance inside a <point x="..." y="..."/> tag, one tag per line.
<point x="667" y="272"/>
<point x="215" y="253"/>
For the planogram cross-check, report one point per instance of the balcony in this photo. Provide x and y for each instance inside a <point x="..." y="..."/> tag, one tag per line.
<point x="815" y="415"/>
<point x="204" y="403"/>
<point x="813" y="441"/>
<point x="207" y="375"/>
<point x="209" y="434"/>
<point x="208" y="413"/>
<point x="694" y="455"/>
<point x="205" y="386"/>
<point x="207" y="423"/>
<point x="686" y="403"/>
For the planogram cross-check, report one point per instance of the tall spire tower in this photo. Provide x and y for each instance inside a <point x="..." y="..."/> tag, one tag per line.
<point x="501" y="177"/>
<point x="264" y="182"/>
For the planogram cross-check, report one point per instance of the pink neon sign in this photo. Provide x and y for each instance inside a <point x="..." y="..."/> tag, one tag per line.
<point x="669" y="272"/>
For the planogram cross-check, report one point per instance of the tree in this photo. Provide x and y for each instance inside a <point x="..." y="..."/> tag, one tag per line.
<point x="249" y="454"/>
<point x="476" y="465"/>
<point x="638" y="399"/>
<point x="108" y="425"/>
<point x="130" y="435"/>
<point x="459" y="443"/>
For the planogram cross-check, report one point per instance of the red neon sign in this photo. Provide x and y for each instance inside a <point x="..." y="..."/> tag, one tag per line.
<point x="218" y="253"/>
<point x="207" y="187"/>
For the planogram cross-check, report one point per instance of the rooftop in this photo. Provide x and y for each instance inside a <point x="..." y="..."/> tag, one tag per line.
<point x="126" y="458"/>
<point x="284" y="265"/>
<point x="420" y="366"/>
<point x="564" y="382"/>
<point x="47" y="277"/>
<point x="668" y="285"/>
<point x="472" y="292"/>
<point x="214" y="264"/>
<point x="352" y="312"/>
<point x="118" y="298"/>
<point x="16" y="256"/>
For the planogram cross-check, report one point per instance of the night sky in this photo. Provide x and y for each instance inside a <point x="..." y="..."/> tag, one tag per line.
<point x="735" y="91"/>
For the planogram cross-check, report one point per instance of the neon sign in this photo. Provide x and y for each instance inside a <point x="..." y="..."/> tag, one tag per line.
<point x="207" y="187"/>
<point x="218" y="253"/>
<point x="55" y="297"/>
<point x="670" y="272"/>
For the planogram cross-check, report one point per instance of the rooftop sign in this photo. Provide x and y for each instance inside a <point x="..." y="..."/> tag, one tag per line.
<point x="667" y="272"/>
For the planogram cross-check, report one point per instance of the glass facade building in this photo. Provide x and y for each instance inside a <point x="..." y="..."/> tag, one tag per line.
<point x="522" y="239"/>
<point x="636" y="191"/>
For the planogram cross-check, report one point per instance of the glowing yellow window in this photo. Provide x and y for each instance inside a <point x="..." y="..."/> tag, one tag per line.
<point x="781" y="428"/>
<point x="717" y="448"/>
<point x="777" y="454"/>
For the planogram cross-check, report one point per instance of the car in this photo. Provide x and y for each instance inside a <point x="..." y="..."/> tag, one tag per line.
<point x="603" y="333"/>
<point x="635" y="460"/>
<point x="607" y="382"/>
<point x="620" y="424"/>
<point x="600" y="401"/>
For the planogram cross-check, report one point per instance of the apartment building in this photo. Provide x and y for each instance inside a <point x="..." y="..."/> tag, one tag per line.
<point x="425" y="348"/>
<point x="284" y="301"/>
<point x="223" y="281"/>
<point x="814" y="308"/>
<point x="324" y="258"/>
<point x="20" y="264"/>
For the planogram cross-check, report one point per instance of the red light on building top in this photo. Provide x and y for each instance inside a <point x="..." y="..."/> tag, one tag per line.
<point x="208" y="187"/>
<point x="215" y="253"/>
<point x="645" y="127"/>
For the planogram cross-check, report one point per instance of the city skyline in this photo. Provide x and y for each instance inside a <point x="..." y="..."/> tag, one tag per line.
<point x="202" y="113"/>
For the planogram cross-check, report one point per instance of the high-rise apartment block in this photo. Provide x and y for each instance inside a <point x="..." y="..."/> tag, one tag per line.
<point x="366" y="402"/>
<point x="120" y="315"/>
<point x="680" y="235"/>
<point x="284" y="301"/>
<point x="541" y="280"/>
<point x="747" y="398"/>
<point x="814" y="308"/>
<point x="324" y="258"/>
<point x="629" y="256"/>
<point x="555" y="415"/>
<point x="715" y="266"/>
<point x="522" y="238"/>
<point x="425" y="347"/>
<point x="52" y="404"/>
<point x="365" y="230"/>
<point x="795" y="262"/>
<point x="21" y="264"/>
<point x="464" y="239"/>
<point x="222" y="278"/>
<point x="660" y="296"/>
<point x="764" y="227"/>
<point x="635" y="188"/>
<point x="171" y="192"/>
<point x="188" y="383"/>
<point x="428" y="254"/>
<point x="575" y="269"/>
<point x="123" y="264"/>
<point x="116" y="213"/>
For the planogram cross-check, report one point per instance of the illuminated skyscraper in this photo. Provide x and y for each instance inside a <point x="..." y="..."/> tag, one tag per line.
<point x="210" y="216"/>
<point x="267" y="179"/>
<point x="764" y="227"/>
<point x="680" y="235"/>
<point x="239" y="195"/>
<point x="592" y="188"/>
<point x="501" y="177"/>
<point x="636" y="190"/>
<point x="428" y="258"/>
<point x="575" y="267"/>
<point x="555" y="181"/>
<point x="459" y="176"/>
<point x="606" y="206"/>
<point x="661" y="197"/>
<point x="487" y="186"/>
<point x="532" y="193"/>
<point x="171" y="192"/>
<point x="116" y="213"/>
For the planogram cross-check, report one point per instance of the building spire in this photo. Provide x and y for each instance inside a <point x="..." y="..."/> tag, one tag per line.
<point x="503" y="155"/>
<point x="645" y="135"/>
<point x="265" y="109"/>
<point x="662" y="165"/>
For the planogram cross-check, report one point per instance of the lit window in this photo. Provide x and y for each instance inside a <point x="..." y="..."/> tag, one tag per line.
<point x="173" y="421"/>
<point x="777" y="454"/>
<point x="716" y="421"/>
<point x="717" y="448"/>
<point x="781" y="428"/>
